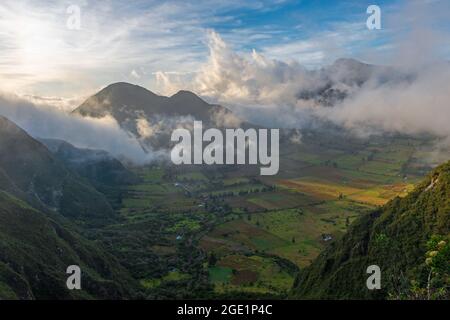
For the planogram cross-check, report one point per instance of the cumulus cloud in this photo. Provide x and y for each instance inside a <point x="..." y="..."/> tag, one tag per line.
<point x="160" y="124"/>
<point x="61" y="103"/>
<point x="43" y="121"/>
<point x="231" y="77"/>
<point x="155" y="132"/>
<point x="403" y="98"/>
<point x="223" y="118"/>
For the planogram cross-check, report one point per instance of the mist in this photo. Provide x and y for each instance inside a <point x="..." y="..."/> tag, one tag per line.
<point x="411" y="95"/>
<point x="45" y="121"/>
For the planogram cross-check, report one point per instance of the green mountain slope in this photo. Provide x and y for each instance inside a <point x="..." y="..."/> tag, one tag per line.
<point x="29" y="171"/>
<point x="125" y="101"/>
<point x="98" y="166"/>
<point x="35" y="252"/>
<point x="130" y="104"/>
<point x="395" y="237"/>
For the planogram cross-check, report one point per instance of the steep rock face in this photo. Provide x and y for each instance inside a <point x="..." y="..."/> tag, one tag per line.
<point x="29" y="170"/>
<point x="393" y="237"/>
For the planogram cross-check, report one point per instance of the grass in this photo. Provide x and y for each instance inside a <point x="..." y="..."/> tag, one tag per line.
<point x="169" y="277"/>
<point x="186" y="225"/>
<point x="220" y="274"/>
<point x="192" y="176"/>
<point x="319" y="190"/>
<point x="234" y="181"/>
<point x="237" y="189"/>
<point x="151" y="174"/>
<point x="276" y="200"/>
<point x="253" y="274"/>
<point x="240" y="233"/>
<point x="322" y="190"/>
<point x="381" y="167"/>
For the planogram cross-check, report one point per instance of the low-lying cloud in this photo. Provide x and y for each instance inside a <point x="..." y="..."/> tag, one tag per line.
<point x="43" y="121"/>
<point x="411" y="99"/>
<point x="419" y="106"/>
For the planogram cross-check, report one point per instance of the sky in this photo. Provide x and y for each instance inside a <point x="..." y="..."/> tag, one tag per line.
<point x="253" y="57"/>
<point x="137" y="41"/>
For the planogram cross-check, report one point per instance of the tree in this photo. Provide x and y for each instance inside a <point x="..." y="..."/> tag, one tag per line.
<point x="212" y="260"/>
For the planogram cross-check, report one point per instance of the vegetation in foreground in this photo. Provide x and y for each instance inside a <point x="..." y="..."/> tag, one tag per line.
<point x="409" y="239"/>
<point x="190" y="232"/>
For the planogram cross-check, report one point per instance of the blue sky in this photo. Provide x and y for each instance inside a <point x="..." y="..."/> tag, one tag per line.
<point x="132" y="40"/>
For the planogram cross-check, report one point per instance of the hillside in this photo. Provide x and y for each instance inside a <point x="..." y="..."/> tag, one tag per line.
<point x="127" y="103"/>
<point x="29" y="171"/>
<point x="98" y="166"/>
<point x="395" y="237"/>
<point x="35" y="252"/>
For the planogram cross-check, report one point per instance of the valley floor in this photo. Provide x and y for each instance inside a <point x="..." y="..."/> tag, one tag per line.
<point x="215" y="232"/>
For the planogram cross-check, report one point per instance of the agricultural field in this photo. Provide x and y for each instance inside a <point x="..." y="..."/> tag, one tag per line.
<point x="250" y="274"/>
<point x="230" y="230"/>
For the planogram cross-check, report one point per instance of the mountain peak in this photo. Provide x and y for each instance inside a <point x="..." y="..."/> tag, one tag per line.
<point x="187" y="97"/>
<point x="348" y="62"/>
<point x="184" y="93"/>
<point x="125" y="87"/>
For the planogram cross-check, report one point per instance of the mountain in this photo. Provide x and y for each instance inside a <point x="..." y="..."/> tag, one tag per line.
<point x="98" y="166"/>
<point x="30" y="172"/>
<point x="35" y="252"/>
<point x="130" y="104"/>
<point x="408" y="238"/>
<point x="125" y="101"/>
<point x="333" y="84"/>
<point x="351" y="71"/>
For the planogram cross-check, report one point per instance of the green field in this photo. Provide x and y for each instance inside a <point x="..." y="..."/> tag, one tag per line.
<point x="260" y="229"/>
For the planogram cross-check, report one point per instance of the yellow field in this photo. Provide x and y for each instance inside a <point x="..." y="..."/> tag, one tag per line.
<point x="324" y="190"/>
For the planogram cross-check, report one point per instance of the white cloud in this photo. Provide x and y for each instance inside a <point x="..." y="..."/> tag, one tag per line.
<point x="413" y="107"/>
<point x="266" y="91"/>
<point x="135" y="74"/>
<point x="43" y="121"/>
<point x="38" y="52"/>
<point x="230" y="77"/>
